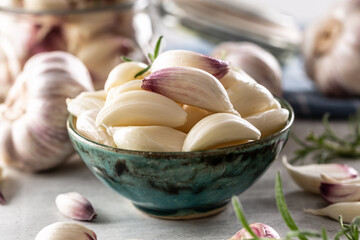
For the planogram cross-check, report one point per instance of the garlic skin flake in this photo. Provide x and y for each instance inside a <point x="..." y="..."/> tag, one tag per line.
<point x="333" y="190"/>
<point x="75" y="206"/>
<point x="348" y="211"/>
<point x="66" y="231"/>
<point x="308" y="177"/>
<point x="260" y="229"/>
<point x="33" y="118"/>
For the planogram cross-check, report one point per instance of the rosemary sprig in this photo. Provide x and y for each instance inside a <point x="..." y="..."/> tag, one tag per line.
<point x="350" y="231"/>
<point x="328" y="146"/>
<point x="152" y="58"/>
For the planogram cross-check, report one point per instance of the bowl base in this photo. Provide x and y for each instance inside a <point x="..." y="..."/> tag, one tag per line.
<point x="182" y="214"/>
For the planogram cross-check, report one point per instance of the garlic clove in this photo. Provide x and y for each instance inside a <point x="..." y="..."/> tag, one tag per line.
<point x="260" y="229"/>
<point x="123" y="73"/>
<point x="86" y="126"/>
<point x="219" y="128"/>
<point x="100" y="94"/>
<point x="148" y="138"/>
<point x="75" y="206"/>
<point x="82" y="103"/>
<point x="140" y="108"/>
<point x="250" y="98"/>
<point x="269" y="121"/>
<point x="194" y="115"/>
<point x="333" y="190"/>
<point x="233" y="76"/>
<point x="184" y="58"/>
<point x="308" y="176"/>
<point x="190" y="86"/>
<point x="348" y="211"/>
<point x="255" y="61"/>
<point x="65" y="231"/>
<point x="128" y="86"/>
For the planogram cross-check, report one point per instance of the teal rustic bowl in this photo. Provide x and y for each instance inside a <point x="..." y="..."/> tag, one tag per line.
<point x="181" y="185"/>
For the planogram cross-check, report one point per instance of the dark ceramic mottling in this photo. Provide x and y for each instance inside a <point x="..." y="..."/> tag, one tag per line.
<point x="180" y="185"/>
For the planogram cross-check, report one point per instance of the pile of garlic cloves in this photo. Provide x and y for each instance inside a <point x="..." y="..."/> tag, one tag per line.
<point x="186" y="101"/>
<point x="338" y="184"/>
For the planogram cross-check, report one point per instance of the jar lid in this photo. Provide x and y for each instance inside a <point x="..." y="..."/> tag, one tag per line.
<point x="57" y="7"/>
<point x="236" y="20"/>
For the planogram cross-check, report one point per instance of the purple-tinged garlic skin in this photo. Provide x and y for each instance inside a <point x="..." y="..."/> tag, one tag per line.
<point x="190" y="86"/>
<point x="334" y="191"/>
<point x="260" y="229"/>
<point x="331" y="49"/>
<point x="66" y="231"/>
<point x="75" y="206"/>
<point x="33" y="117"/>
<point x="184" y="58"/>
<point x="308" y="177"/>
<point x="255" y="61"/>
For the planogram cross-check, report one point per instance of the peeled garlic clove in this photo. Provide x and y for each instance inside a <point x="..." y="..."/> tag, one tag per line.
<point x="308" y="176"/>
<point x="128" y="86"/>
<point x="184" y="58"/>
<point x="260" y="229"/>
<point x="348" y="211"/>
<point x="140" y="108"/>
<point x="82" y="103"/>
<point x="255" y="61"/>
<point x="86" y="126"/>
<point x="33" y="118"/>
<point x="217" y="129"/>
<point x="148" y="138"/>
<point x="233" y="76"/>
<point x="250" y="98"/>
<point x="194" y="115"/>
<point x="102" y="53"/>
<point x="269" y="121"/>
<point x="190" y="86"/>
<point x="75" y="206"/>
<point x="123" y="73"/>
<point x="333" y="190"/>
<point x="100" y="94"/>
<point x="65" y="230"/>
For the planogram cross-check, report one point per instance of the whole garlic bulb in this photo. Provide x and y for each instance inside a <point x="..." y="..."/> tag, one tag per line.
<point x="33" y="116"/>
<point x="331" y="50"/>
<point x="255" y="61"/>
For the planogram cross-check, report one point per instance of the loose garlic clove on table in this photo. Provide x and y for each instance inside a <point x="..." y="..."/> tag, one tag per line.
<point x="66" y="231"/>
<point x="75" y="206"/>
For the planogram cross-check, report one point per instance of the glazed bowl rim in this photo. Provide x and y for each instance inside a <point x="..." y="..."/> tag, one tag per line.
<point x="73" y="132"/>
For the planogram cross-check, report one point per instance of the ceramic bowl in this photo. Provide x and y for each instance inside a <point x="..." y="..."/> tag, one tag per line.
<point x="181" y="185"/>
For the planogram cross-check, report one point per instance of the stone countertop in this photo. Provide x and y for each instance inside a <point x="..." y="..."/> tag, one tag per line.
<point x="31" y="204"/>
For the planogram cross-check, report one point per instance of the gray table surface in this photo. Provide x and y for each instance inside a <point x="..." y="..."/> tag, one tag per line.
<point x="31" y="204"/>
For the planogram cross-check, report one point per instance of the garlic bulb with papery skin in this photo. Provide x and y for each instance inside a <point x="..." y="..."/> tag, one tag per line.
<point x="255" y="61"/>
<point x="260" y="229"/>
<point x="33" y="117"/>
<point x="331" y="50"/>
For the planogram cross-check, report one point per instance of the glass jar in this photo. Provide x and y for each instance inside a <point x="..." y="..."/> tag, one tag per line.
<point x="98" y="32"/>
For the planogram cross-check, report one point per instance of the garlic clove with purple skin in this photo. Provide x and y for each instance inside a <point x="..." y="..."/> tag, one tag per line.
<point x="66" y="231"/>
<point x="184" y="58"/>
<point x="255" y="61"/>
<point x="260" y="229"/>
<point x="308" y="177"/>
<point x="75" y="206"/>
<point x="190" y="86"/>
<point x="348" y="211"/>
<point x="333" y="190"/>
